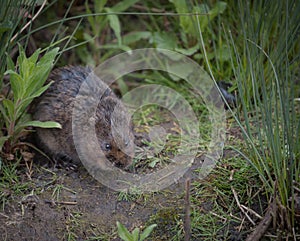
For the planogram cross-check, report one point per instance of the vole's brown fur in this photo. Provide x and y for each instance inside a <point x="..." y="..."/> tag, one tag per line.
<point x="56" y="104"/>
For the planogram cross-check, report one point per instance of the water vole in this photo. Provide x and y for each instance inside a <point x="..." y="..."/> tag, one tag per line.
<point x="56" y="104"/>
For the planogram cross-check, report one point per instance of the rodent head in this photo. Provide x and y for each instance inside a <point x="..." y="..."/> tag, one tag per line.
<point x="114" y="132"/>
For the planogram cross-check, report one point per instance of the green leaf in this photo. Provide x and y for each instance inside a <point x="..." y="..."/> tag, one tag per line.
<point x="17" y="84"/>
<point x="91" y="19"/>
<point x="25" y="117"/>
<point x="4" y="114"/>
<point x="20" y="108"/>
<point x="37" y="93"/>
<point x="123" y="5"/>
<point x="199" y="56"/>
<point x="21" y="56"/>
<point x="114" y="23"/>
<point x="153" y="163"/>
<point x="3" y="139"/>
<point x="123" y="232"/>
<point x="203" y="10"/>
<point x="185" y="70"/>
<point x="34" y="58"/>
<point x="36" y="80"/>
<point x="181" y="6"/>
<point x="123" y="87"/>
<point x="135" y="234"/>
<point x="99" y="5"/>
<point x="165" y="40"/>
<point x="97" y="23"/>
<point x="40" y="74"/>
<point x="223" y="53"/>
<point x="189" y="51"/>
<point x="88" y="37"/>
<point x="85" y="56"/>
<point x="41" y="124"/>
<point x="26" y="65"/>
<point x="5" y="26"/>
<point x="115" y="46"/>
<point x="217" y="9"/>
<point x="9" y="107"/>
<point x="9" y="62"/>
<point x="49" y="57"/>
<point x="135" y="36"/>
<point x="147" y="232"/>
<point x="186" y="22"/>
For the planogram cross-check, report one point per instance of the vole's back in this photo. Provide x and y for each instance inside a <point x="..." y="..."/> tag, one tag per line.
<point x="56" y="104"/>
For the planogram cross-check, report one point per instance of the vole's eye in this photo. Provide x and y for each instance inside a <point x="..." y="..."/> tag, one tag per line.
<point x="107" y="147"/>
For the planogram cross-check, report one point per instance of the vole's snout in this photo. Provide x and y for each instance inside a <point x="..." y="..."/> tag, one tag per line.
<point x="123" y="150"/>
<point x="120" y="159"/>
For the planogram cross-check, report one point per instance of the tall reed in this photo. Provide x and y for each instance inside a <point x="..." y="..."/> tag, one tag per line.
<point x="265" y="70"/>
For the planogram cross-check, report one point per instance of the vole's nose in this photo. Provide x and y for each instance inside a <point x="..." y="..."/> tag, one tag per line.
<point x="120" y="159"/>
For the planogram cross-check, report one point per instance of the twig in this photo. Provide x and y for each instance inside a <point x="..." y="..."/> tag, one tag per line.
<point x="29" y="169"/>
<point x="239" y="205"/>
<point x="219" y="216"/>
<point x="187" y="218"/>
<point x="233" y="216"/>
<point x="294" y="234"/>
<point x="2" y="214"/>
<point x="265" y="223"/>
<point x="62" y="202"/>
<point x="241" y="225"/>
<point x="252" y="211"/>
<point x="27" y="24"/>
<point x="231" y="175"/>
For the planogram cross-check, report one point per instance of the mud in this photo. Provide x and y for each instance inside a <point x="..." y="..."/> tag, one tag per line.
<point x="68" y="204"/>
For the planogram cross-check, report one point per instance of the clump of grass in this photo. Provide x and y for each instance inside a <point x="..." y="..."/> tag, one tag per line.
<point x="10" y="183"/>
<point x="10" y="19"/>
<point x="215" y="214"/>
<point x="275" y="138"/>
<point x="73" y="222"/>
<point x="264" y="69"/>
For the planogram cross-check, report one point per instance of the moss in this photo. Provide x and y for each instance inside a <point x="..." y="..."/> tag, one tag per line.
<point x="169" y="223"/>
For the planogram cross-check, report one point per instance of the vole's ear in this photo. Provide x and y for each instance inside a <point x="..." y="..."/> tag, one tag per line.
<point x="108" y="104"/>
<point x="104" y="111"/>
